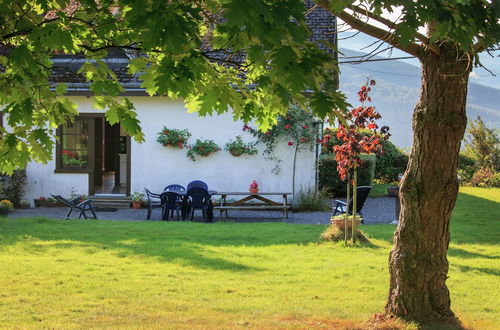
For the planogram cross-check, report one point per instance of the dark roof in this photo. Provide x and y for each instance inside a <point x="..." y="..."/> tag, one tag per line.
<point x="65" y="67"/>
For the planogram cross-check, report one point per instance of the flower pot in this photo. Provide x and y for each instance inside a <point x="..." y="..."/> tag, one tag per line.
<point x="392" y="191"/>
<point x="4" y="213"/>
<point x="340" y="223"/>
<point x="236" y="153"/>
<point x="37" y="202"/>
<point x="136" y="205"/>
<point x="254" y="190"/>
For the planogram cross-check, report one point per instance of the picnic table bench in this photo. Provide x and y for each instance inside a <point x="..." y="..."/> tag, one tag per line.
<point x="242" y="204"/>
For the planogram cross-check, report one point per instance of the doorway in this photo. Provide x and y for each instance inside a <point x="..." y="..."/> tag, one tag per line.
<point x="111" y="174"/>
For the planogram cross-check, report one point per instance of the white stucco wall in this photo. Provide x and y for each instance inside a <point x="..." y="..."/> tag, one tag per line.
<point x="154" y="166"/>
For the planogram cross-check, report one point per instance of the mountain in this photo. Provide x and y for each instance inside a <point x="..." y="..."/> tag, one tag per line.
<point x="397" y="92"/>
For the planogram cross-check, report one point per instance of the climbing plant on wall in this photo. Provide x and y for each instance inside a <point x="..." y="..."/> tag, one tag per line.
<point x="297" y="129"/>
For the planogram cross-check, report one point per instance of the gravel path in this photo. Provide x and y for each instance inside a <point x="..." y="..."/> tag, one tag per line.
<point x="376" y="211"/>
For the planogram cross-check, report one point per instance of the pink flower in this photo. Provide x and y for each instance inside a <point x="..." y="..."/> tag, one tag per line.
<point x="306" y="126"/>
<point x="303" y="139"/>
<point x="290" y="143"/>
<point x="287" y="126"/>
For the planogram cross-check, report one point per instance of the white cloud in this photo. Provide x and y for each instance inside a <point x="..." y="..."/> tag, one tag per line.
<point x="474" y="75"/>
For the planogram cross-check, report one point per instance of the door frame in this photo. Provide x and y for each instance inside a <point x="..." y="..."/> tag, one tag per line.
<point x="92" y="144"/>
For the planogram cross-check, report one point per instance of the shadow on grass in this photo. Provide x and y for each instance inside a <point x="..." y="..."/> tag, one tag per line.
<point x="461" y="253"/>
<point x="483" y="270"/>
<point x="181" y="242"/>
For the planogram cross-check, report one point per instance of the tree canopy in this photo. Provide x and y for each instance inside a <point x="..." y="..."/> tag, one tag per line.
<point x="251" y="57"/>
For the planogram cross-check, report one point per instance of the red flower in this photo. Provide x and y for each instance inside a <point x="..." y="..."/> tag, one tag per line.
<point x="372" y="126"/>
<point x="319" y="141"/>
<point x="268" y="132"/>
<point x="287" y="126"/>
<point x="303" y="139"/>
<point x="290" y="143"/>
<point x="305" y="126"/>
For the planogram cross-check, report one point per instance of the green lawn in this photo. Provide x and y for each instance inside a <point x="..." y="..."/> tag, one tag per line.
<point x="63" y="274"/>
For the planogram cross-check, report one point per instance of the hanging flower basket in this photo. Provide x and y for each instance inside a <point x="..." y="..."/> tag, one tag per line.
<point x="238" y="147"/>
<point x="202" y="148"/>
<point x="173" y="138"/>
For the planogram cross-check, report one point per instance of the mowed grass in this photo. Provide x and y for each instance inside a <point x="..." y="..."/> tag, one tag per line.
<point x="64" y="274"/>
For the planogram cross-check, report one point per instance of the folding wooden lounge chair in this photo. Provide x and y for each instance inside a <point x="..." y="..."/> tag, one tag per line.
<point x="82" y="207"/>
<point x="341" y="207"/>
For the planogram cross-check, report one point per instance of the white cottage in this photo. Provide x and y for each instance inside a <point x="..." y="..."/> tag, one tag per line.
<point x="114" y="164"/>
<point x="110" y="163"/>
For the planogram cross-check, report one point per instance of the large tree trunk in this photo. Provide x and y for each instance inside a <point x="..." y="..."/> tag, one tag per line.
<point x="418" y="264"/>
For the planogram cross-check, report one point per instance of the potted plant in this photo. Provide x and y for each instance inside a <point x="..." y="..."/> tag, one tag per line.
<point x="254" y="187"/>
<point x="24" y="204"/>
<point x="238" y="147"/>
<point x="39" y="201"/>
<point x="5" y="207"/>
<point x="343" y="223"/>
<point x="49" y="202"/>
<point x="72" y="159"/>
<point x="174" y="138"/>
<point x="202" y="148"/>
<point x="137" y="200"/>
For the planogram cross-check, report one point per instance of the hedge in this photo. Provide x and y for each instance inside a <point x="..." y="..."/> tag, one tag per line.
<point x="12" y="186"/>
<point x="329" y="179"/>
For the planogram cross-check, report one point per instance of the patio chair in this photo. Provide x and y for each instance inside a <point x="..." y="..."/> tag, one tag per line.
<point x="197" y="183"/>
<point x="341" y="207"/>
<point x="154" y="201"/>
<point x="174" y="187"/>
<point x="169" y="201"/>
<point x="199" y="199"/>
<point x="82" y="206"/>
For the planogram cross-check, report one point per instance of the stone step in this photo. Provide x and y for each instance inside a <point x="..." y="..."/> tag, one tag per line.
<point x="111" y="201"/>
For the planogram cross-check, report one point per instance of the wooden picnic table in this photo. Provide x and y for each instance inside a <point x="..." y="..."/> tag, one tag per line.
<point x="242" y="204"/>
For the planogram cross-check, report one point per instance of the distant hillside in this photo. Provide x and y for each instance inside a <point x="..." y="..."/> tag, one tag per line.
<point x="397" y="91"/>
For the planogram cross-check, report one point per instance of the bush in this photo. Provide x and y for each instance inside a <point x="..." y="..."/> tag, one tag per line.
<point x="329" y="179"/>
<point x="467" y="166"/>
<point x="310" y="200"/>
<point x="389" y="164"/>
<point x="12" y="186"/>
<point x="485" y="177"/>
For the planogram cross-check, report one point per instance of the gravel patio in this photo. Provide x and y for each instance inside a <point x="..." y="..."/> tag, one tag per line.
<point x="376" y="211"/>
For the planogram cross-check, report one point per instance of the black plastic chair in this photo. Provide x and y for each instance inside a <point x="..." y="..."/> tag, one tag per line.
<point x="199" y="199"/>
<point x="341" y="207"/>
<point x="82" y="207"/>
<point x="174" y="187"/>
<point x="169" y="201"/>
<point x="197" y="183"/>
<point x="154" y="201"/>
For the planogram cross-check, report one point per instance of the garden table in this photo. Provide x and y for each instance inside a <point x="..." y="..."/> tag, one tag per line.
<point x="242" y="203"/>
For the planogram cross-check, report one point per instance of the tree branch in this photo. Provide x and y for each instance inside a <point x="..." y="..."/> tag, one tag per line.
<point x="412" y="48"/>
<point x="392" y="25"/>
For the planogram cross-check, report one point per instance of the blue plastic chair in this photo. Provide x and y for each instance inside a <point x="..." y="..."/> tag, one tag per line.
<point x="197" y="183"/>
<point x="170" y="204"/>
<point x="199" y="199"/>
<point x="174" y="187"/>
<point x="154" y="201"/>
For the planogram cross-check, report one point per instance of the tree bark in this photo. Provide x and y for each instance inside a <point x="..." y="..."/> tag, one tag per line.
<point x="418" y="265"/>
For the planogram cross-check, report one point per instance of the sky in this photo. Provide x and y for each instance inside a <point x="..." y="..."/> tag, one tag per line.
<point x="478" y="75"/>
